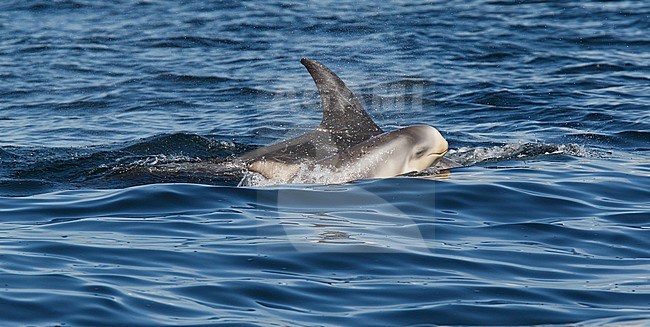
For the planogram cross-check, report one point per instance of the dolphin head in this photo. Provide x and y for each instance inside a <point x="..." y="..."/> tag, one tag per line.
<point x="428" y="146"/>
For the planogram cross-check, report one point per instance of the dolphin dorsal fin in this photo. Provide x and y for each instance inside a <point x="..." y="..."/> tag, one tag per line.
<point x="342" y="111"/>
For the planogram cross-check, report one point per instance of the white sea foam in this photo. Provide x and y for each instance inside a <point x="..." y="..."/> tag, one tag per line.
<point x="470" y="156"/>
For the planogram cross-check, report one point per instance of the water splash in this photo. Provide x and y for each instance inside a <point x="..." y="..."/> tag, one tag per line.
<point x="467" y="156"/>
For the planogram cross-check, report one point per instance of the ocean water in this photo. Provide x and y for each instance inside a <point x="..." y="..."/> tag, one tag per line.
<point x="116" y="207"/>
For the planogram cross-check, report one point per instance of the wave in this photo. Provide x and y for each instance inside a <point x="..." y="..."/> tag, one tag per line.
<point x="182" y="144"/>
<point x="82" y="104"/>
<point x="366" y="251"/>
<point x="622" y="139"/>
<point x="188" y="41"/>
<point x="45" y="5"/>
<point x="641" y="137"/>
<point x="609" y="40"/>
<point x="193" y="79"/>
<point x="590" y="68"/>
<point x="468" y="156"/>
<point x="146" y="161"/>
<point x="6" y="154"/>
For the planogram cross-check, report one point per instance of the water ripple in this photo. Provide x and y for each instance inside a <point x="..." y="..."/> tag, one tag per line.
<point x="119" y="122"/>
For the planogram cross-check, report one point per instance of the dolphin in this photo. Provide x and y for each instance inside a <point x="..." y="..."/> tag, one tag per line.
<point x="406" y="150"/>
<point x="347" y="145"/>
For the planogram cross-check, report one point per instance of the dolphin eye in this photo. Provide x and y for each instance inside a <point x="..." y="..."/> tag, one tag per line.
<point x="420" y="153"/>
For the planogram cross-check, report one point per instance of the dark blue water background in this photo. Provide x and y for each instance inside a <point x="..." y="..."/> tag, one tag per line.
<point x="545" y="103"/>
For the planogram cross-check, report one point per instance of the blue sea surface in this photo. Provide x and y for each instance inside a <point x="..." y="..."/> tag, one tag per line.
<point x="114" y="114"/>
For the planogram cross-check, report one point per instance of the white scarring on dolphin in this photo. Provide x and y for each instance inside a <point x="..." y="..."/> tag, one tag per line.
<point x="347" y="145"/>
